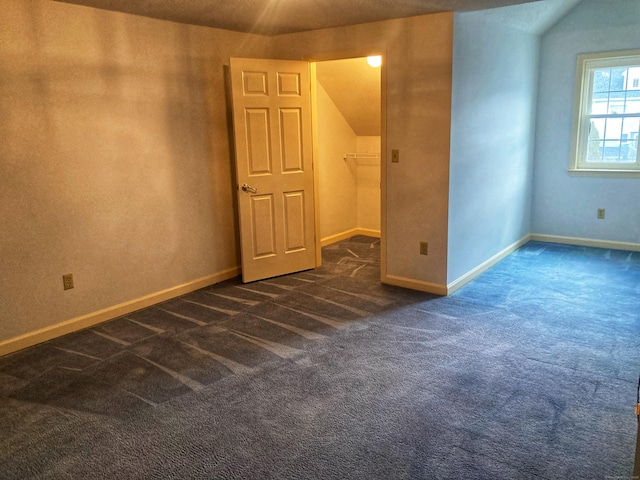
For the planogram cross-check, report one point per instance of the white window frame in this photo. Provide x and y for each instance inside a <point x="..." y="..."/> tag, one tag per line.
<point x="587" y="63"/>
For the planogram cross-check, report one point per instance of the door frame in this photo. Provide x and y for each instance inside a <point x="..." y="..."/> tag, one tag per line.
<point x="344" y="55"/>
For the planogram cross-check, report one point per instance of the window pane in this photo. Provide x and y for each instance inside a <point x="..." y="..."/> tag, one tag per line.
<point x="629" y="147"/>
<point x="633" y="101"/>
<point x="616" y="103"/>
<point x="601" y="80"/>
<point x="611" y="151"/>
<point x="634" y="75"/>
<point x="613" y="129"/>
<point x="599" y="103"/>
<point x="594" y="152"/>
<point x="615" y="91"/>
<point x="596" y="129"/>
<point x="613" y="134"/>
<point x="618" y="77"/>
<point x="595" y="146"/>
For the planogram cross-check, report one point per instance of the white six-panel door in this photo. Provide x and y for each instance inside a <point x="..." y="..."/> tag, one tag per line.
<point x="272" y="132"/>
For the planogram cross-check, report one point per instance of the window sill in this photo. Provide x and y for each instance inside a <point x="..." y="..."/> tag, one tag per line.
<point x="601" y="172"/>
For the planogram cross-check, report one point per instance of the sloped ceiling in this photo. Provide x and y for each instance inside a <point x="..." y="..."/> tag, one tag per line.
<point x="354" y="87"/>
<point x="272" y="17"/>
<point x="534" y="17"/>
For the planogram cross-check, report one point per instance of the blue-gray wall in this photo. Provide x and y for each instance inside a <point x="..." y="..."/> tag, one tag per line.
<point x="495" y="75"/>
<point x="565" y="205"/>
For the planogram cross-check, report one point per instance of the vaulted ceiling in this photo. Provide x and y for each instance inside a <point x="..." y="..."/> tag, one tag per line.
<point x="272" y="17"/>
<point x="354" y="87"/>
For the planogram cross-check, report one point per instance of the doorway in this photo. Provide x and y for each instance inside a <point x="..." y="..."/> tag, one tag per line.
<point x="352" y="184"/>
<point x="348" y="148"/>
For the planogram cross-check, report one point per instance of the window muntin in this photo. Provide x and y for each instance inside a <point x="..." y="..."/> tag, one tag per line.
<point x="607" y="117"/>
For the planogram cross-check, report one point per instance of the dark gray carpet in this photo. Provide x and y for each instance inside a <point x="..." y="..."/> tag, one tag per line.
<point x="529" y="372"/>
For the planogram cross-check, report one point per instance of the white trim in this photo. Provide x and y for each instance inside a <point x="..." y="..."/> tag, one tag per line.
<point x="338" y="237"/>
<point x="42" y="335"/>
<point x="582" y="172"/>
<point x="435" y="288"/>
<point x="586" y="242"/>
<point x="368" y="232"/>
<point x="486" y="265"/>
<point x="315" y="160"/>
<point x="439" y="289"/>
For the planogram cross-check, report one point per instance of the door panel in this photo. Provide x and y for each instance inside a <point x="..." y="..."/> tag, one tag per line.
<point x="258" y="133"/>
<point x="263" y="226"/>
<point x="294" y="221"/>
<point x="289" y="84"/>
<point x="254" y="83"/>
<point x="291" y="140"/>
<point x="272" y="133"/>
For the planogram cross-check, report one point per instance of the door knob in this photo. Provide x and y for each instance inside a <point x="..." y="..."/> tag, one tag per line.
<point x="249" y="188"/>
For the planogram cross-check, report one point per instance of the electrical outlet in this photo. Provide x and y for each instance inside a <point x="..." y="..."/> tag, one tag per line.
<point x="424" y="248"/>
<point x="601" y="214"/>
<point x="67" y="281"/>
<point x="395" y="156"/>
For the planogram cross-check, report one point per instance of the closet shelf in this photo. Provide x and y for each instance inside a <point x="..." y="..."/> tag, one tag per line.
<point x="362" y="158"/>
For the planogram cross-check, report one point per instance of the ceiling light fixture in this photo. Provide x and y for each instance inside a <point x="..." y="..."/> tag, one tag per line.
<point x="374" y="61"/>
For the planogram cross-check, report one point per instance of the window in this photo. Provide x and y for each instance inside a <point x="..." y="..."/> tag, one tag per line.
<point x="607" y="114"/>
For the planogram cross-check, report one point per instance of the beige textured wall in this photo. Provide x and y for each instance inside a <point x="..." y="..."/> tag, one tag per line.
<point x="114" y="158"/>
<point x="337" y="178"/>
<point x="115" y="162"/>
<point x="368" y="178"/>
<point x="418" y="54"/>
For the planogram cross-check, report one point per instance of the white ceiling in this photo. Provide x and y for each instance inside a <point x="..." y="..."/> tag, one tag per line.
<point x="272" y="17"/>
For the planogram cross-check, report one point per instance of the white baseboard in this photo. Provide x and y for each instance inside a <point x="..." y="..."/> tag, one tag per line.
<point x="93" y="318"/>
<point x="435" y="288"/>
<point x="368" y="232"/>
<point x="486" y="265"/>
<point x="586" y="242"/>
<point x="349" y="233"/>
